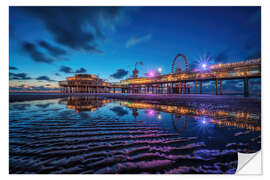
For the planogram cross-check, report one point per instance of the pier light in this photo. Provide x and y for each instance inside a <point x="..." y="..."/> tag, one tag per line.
<point x="151" y="74"/>
<point x="204" y="121"/>
<point x="151" y="112"/>
<point x="204" y="66"/>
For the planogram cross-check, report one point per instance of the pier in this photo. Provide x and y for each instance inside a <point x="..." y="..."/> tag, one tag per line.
<point x="175" y="82"/>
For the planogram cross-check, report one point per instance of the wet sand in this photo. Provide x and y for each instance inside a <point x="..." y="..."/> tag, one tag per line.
<point x="31" y="97"/>
<point x="234" y="102"/>
<point x="224" y="102"/>
<point x="126" y="137"/>
<point x="182" y="97"/>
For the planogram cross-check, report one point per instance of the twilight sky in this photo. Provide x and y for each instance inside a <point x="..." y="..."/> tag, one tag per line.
<point x="47" y="44"/>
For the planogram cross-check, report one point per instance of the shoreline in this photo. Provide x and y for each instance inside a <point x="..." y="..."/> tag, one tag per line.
<point x="155" y="97"/>
<point x="190" y="100"/>
<point x="33" y="97"/>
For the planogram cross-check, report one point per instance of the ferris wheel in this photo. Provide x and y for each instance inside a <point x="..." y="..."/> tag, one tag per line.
<point x="176" y="65"/>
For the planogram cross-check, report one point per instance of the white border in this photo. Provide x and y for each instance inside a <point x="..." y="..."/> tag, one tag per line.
<point x="5" y="59"/>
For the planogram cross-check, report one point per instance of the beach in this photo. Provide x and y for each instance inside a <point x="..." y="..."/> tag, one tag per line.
<point x="122" y="134"/>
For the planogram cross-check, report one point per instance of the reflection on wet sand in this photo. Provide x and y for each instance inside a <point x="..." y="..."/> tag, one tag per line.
<point x="222" y="118"/>
<point x="242" y="120"/>
<point x="85" y="103"/>
<point x="94" y="135"/>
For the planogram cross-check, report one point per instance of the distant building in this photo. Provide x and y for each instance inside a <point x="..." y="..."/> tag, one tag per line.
<point x="84" y="83"/>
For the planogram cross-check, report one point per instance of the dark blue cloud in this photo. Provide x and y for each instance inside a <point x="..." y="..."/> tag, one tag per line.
<point x="53" y="50"/>
<point x="68" y="70"/>
<point x="78" y="28"/>
<point x="12" y="68"/>
<point x="18" y="76"/>
<point x="65" y="69"/>
<point x="81" y="70"/>
<point x="119" y="74"/>
<point x="44" y="78"/>
<point x="35" y="54"/>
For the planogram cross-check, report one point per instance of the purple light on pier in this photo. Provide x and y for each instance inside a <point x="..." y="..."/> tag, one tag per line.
<point x="151" y="74"/>
<point x="151" y="112"/>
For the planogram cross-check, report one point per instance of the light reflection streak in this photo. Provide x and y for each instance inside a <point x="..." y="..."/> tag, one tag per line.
<point x="221" y="118"/>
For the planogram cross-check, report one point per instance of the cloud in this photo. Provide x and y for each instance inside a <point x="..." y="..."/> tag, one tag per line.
<point x="79" y="28"/>
<point x="68" y="70"/>
<point x="35" y="54"/>
<point x="65" y="69"/>
<point x="24" y="87"/>
<point x="81" y="70"/>
<point x="24" y="76"/>
<point x="120" y="73"/>
<point x="18" y="76"/>
<point x="44" y="78"/>
<point x="57" y="74"/>
<point x="12" y="68"/>
<point x="53" y="50"/>
<point x="135" y="40"/>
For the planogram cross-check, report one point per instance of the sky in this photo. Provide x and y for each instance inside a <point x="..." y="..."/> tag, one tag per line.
<point x="48" y="44"/>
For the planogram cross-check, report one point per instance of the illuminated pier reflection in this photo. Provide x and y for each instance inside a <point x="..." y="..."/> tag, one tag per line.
<point x="243" y="120"/>
<point x="86" y="103"/>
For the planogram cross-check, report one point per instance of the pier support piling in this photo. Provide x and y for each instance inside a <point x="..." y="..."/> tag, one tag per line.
<point x="201" y="86"/>
<point x="216" y="87"/>
<point x="246" y="84"/>
<point x="180" y="88"/>
<point x="185" y="87"/>
<point x="220" y="87"/>
<point x="195" y="84"/>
